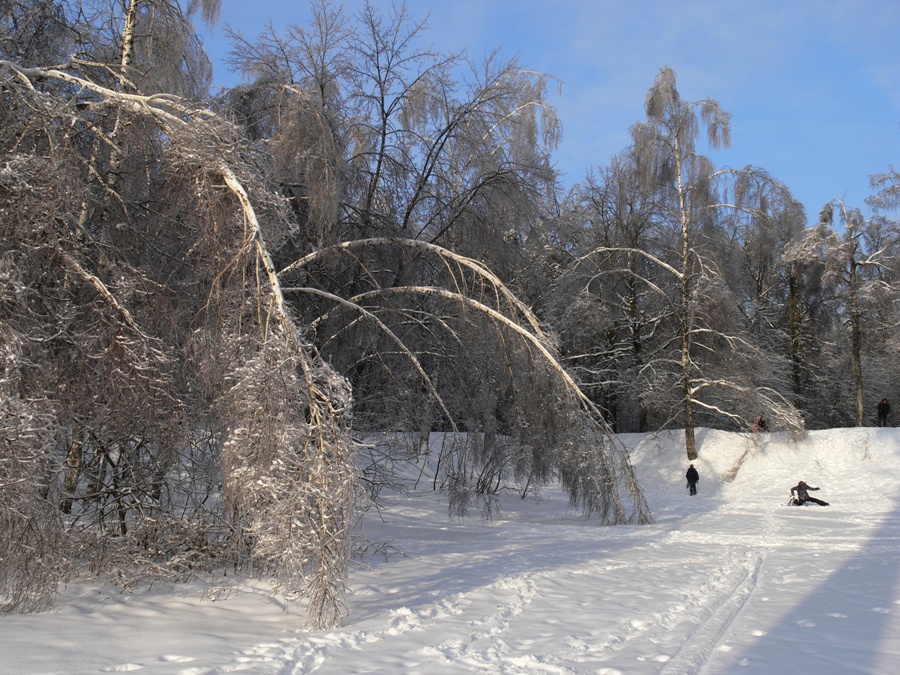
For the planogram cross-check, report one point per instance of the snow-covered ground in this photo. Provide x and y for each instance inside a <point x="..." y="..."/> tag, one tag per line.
<point x="729" y="581"/>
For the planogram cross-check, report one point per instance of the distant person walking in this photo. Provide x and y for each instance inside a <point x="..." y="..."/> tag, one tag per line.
<point x="801" y="489"/>
<point x="884" y="409"/>
<point x="692" y="478"/>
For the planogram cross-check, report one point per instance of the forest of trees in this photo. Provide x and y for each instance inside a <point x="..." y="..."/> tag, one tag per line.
<point x="210" y="305"/>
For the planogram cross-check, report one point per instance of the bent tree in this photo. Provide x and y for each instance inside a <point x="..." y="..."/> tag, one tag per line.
<point x="172" y="414"/>
<point x="141" y="315"/>
<point x="444" y="170"/>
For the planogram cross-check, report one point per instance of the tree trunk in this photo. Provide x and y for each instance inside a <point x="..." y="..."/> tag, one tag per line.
<point x="856" y="345"/>
<point x="637" y="346"/>
<point x="73" y="469"/>
<point x="794" y="320"/>
<point x="127" y="56"/>
<point x="690" y="441"/>
<point x="687" y="383"/>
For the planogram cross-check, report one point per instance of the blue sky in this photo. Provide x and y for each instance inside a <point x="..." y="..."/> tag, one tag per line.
<point x="813" y="85"/>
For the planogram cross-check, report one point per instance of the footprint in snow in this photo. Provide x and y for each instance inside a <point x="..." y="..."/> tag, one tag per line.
<point x="122" y="668"/>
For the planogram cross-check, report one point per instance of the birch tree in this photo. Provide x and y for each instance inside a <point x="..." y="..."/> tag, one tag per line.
<point x="691" y="197"/>
<point x="666" y="157"/>
<point x="179" y="415"/>
<point x="441" y="151"/>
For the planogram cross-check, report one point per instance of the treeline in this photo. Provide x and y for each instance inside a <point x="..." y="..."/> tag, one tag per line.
<point x="207" y="303"/>
<point x="690" y="294"/>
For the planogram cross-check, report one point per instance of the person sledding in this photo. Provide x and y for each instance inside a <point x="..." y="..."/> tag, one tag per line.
<point x="801" y="490"/>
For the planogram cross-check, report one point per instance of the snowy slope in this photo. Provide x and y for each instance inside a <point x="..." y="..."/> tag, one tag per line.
<point x="729" y="581"/>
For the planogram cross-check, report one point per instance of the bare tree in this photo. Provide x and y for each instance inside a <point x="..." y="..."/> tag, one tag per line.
<point x="603" y="307"/>
<point x="857" y="258"/>
<point x="178" y="406"/>
<point x="438" y="150"/>
<point x="29" y="526"/>
<point x="128" y="276"/>
<point x="35" y="32"/>
<point x="436" y="147"/>
<point x="888" y="190"/>
<point x="665" y="155"/>
<point x="692" y="206"/>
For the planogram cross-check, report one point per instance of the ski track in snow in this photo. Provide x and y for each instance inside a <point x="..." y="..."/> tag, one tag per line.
<point x="702" y="617"/>
<point x="729" y="595"/>
<point x="667" y="635"/>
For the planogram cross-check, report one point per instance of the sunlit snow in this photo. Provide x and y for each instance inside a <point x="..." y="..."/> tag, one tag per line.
<point x="732" y="580"/>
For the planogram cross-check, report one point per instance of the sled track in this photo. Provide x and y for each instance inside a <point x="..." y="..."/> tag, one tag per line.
<point x="705" y="616"/>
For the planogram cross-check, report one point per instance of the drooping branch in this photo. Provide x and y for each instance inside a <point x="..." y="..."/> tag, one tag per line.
<point x="353" y="304"/>
<point x="165" y="108"/>
<point x="238" y="190"/>
<point x="480" y="269"/>
<point x="531" y="338"/>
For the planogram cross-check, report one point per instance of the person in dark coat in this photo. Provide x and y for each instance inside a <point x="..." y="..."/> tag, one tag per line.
<point x="692" y="477"/>
<point x="801" y="489"/>
<point x="884" y="409"/>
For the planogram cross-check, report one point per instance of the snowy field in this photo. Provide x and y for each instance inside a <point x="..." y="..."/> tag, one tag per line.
<point x="729" y="581"/>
